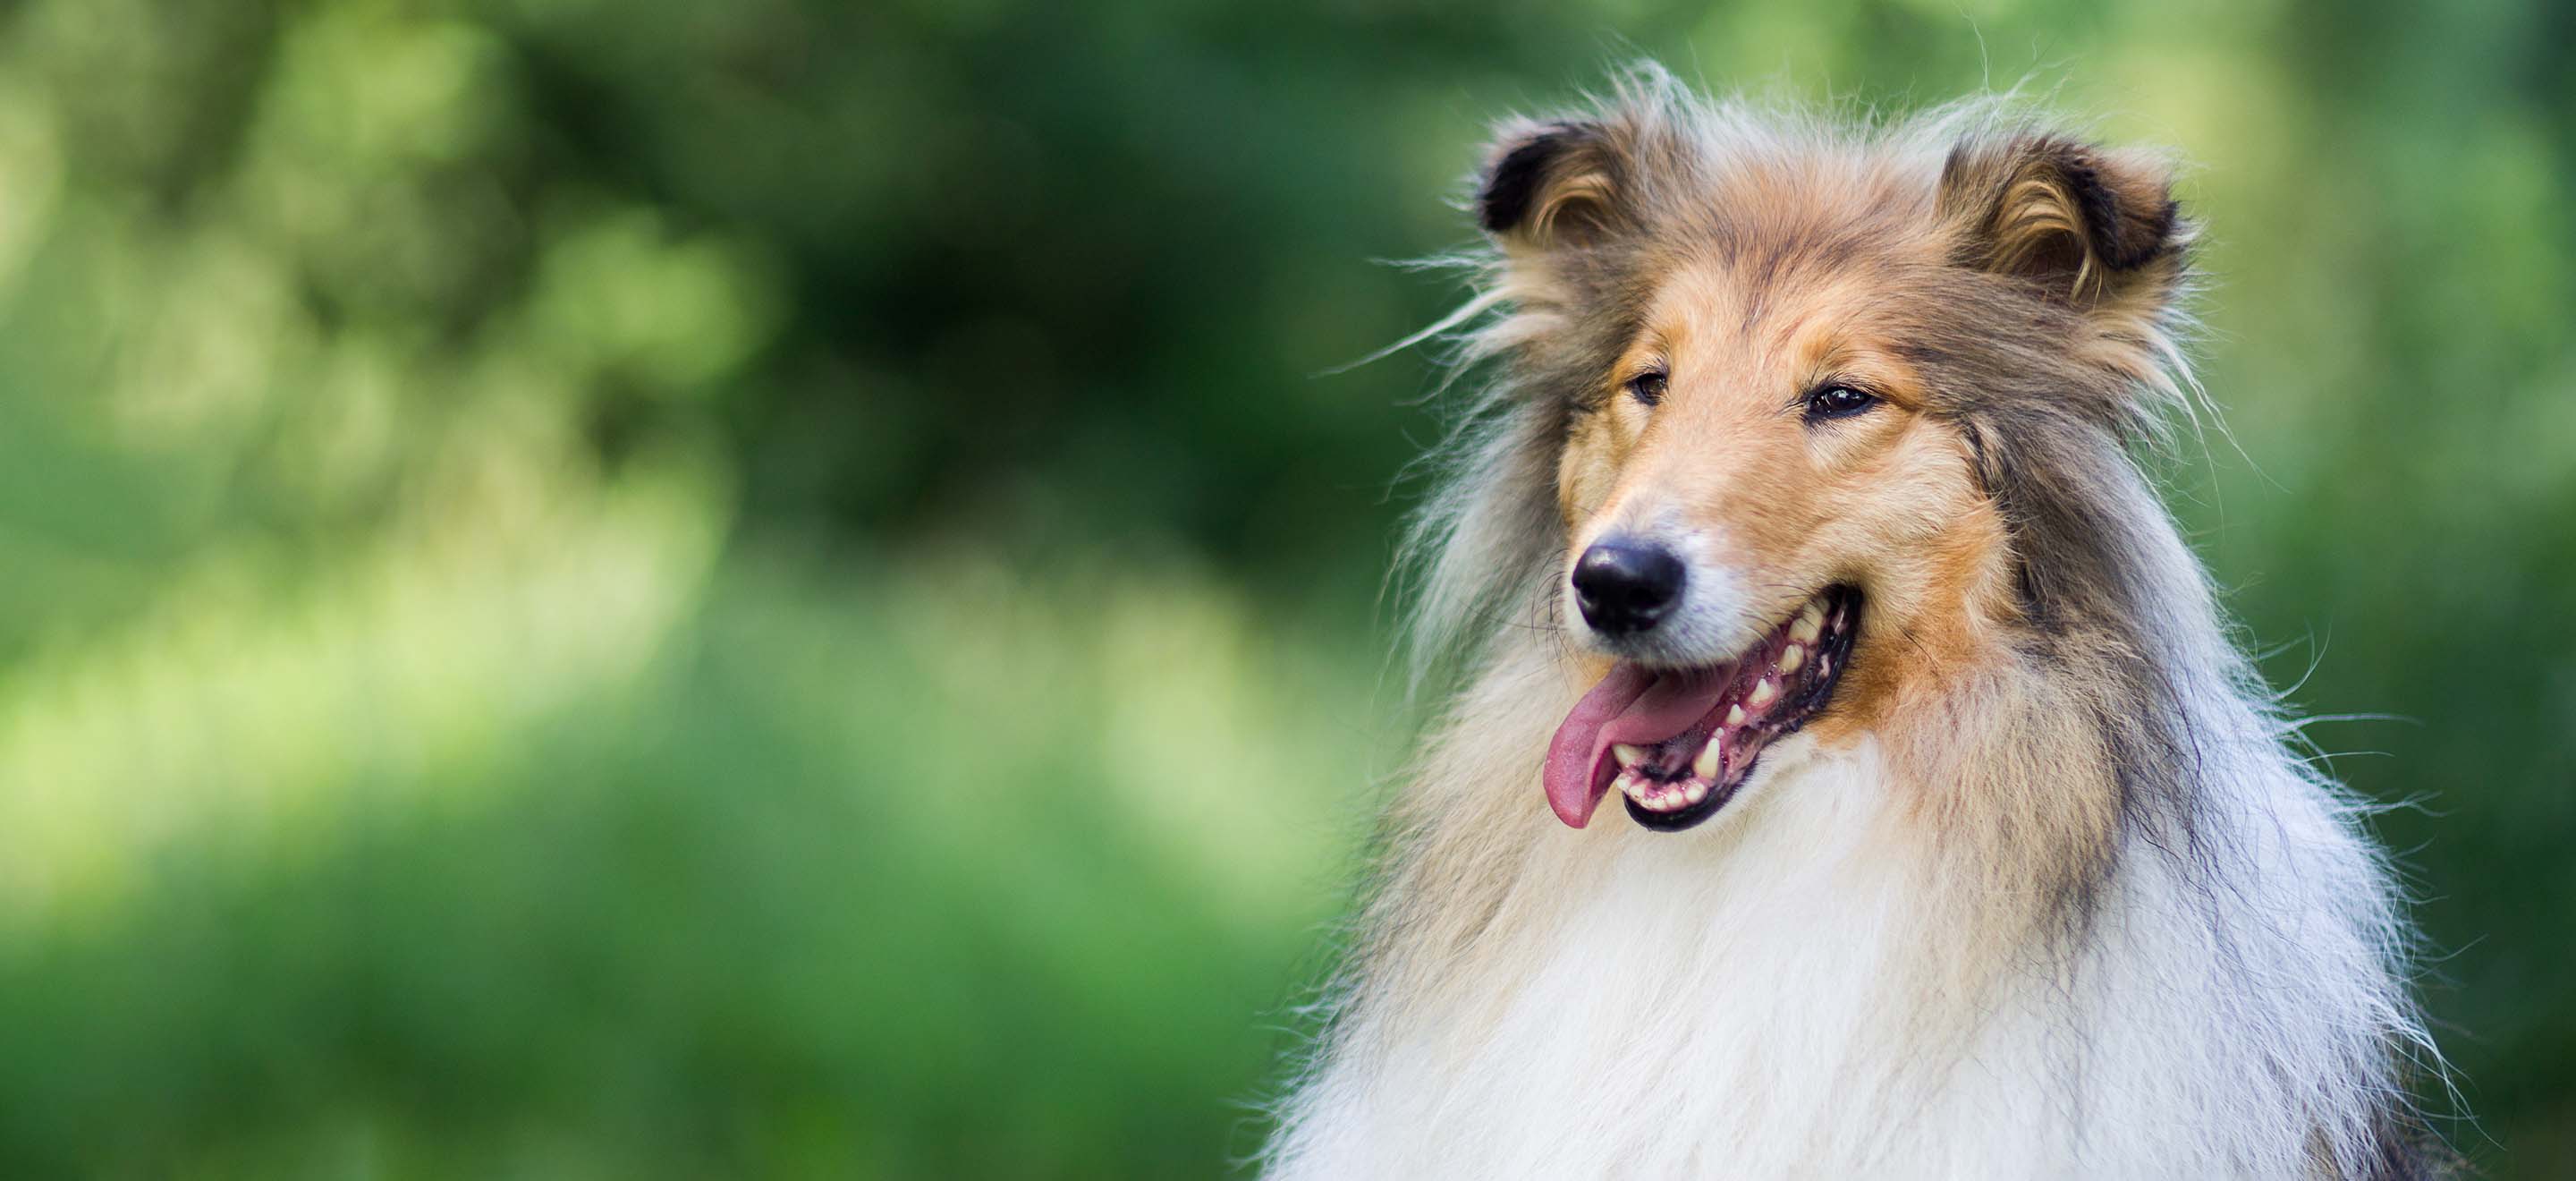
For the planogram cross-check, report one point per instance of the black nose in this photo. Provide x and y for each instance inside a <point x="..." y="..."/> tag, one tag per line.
<point x="1625" y="586"/>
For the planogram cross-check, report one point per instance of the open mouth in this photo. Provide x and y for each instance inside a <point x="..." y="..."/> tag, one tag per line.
<point x="1677" y="743"/>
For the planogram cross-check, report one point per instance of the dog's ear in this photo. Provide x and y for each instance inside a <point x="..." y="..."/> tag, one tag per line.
<point x="1549" y="184"/>
<point x="2080" y="223"/>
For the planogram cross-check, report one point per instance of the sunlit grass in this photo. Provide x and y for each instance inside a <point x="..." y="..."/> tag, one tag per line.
<point x="232" y="709"/>
<point x="566" y="860"/>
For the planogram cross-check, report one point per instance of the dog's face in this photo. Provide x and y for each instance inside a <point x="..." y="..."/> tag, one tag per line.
<point x="1780" y="386"/>
<point x="1767" y="431"/>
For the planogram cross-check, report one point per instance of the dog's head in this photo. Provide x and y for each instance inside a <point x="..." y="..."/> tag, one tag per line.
<point x="1802" y="380"/>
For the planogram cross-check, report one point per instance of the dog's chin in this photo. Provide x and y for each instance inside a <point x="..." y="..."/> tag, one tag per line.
<point x="1680" y="743"/>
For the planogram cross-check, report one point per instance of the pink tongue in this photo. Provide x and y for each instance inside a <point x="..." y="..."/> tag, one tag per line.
<point x="1632" y="705"/>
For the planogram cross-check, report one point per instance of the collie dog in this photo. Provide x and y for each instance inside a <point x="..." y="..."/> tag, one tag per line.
<point x="1801" y="512"/>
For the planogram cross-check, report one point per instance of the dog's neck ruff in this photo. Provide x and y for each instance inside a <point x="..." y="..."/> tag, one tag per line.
<point x="1813" y="989"/>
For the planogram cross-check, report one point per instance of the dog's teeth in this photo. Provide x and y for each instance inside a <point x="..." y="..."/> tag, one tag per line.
<point x="1696" y="792"/>
<point x="1791" y="657"/>
<point x="1735" y="714"/>
<point x="1710" y="756"/>
<point x="1811" y="623"/>
<point x="1628" y="756"/>
<point x="1763" y="692"/>
<point x="1824" y="665"/>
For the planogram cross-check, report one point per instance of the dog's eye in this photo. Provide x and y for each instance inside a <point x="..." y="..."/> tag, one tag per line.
<point x="1647" y="387"/>
<point x="1837" y="401"/>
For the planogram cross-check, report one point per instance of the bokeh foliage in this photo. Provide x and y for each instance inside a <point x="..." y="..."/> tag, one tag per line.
<point x="776" y="588"/>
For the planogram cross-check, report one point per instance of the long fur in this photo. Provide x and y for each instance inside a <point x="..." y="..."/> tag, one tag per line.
<point x="2081" y="910"/>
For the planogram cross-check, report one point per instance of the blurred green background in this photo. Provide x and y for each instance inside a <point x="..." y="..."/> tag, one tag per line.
<point x="775" y="588"/>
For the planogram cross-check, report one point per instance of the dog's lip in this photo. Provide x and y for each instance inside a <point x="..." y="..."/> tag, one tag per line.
<point x="1679" y="742"/>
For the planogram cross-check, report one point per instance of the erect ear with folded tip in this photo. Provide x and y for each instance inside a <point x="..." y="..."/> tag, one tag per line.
<point x="1551" y="184"/>
<point x="2080" y="223"/>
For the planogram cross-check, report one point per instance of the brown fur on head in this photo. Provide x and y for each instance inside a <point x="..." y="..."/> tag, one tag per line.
<point x="2032" y="277"/>
<point x="2005" y="297"/>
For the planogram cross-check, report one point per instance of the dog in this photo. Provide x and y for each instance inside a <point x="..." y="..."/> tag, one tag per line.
<point x="1800" y="510"/>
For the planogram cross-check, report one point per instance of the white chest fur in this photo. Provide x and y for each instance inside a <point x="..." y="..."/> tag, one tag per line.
<point x="1789" y="995"/>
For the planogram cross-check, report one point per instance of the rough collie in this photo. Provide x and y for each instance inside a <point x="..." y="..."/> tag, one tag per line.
<point x="1800" y="517"/>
